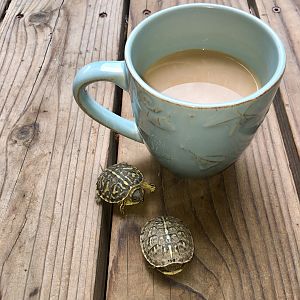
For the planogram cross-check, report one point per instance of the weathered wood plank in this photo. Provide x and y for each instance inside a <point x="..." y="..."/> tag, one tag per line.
<point x="244" y="221"/>
<point x="50" y="151"/>
<point x="283" y="16"/>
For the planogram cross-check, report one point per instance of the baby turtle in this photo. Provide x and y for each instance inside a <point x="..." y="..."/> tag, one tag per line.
<point x="122" y="183"/>
<point x="167" y="244"/>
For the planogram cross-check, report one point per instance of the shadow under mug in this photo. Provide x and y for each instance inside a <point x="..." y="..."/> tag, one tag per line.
<point x="190" y="139"/>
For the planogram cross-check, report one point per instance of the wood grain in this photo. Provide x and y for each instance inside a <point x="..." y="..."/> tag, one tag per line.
<point x="50" y="151"/>
<point x="245" y="221"/>
<point x="285" y="20"/>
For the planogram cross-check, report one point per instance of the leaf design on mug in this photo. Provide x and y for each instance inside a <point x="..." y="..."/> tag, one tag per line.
<point x="149" y="103"/>
<point x="205" y="162"/>
<point x="154" y="113"/>
<point x="243" y="120"/>
<point x="259" y="112"/>
<point x="161" y="121"/>
<point x="251" y="118"/>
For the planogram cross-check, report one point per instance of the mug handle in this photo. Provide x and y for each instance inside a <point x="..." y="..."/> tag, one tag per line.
<point x="113" y="71"/>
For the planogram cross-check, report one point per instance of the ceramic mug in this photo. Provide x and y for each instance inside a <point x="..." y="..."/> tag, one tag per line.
<point x="190" y="139"/>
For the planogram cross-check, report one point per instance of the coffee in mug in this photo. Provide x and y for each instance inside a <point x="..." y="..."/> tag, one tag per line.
<point x="201" y="76"/>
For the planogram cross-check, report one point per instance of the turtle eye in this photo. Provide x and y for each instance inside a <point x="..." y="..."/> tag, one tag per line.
<point x="138" y="195"/>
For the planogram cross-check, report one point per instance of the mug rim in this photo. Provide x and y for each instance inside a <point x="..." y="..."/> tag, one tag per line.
<point x="264" y="89"/>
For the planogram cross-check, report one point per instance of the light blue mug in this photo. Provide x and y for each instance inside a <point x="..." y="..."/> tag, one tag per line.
<point x="194" y="140"/>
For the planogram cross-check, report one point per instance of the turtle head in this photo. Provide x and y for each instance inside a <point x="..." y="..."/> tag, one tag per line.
<point x="137" y="195"/>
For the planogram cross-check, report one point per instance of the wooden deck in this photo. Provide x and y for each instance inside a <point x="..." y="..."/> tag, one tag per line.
<point x="55" y="242"/>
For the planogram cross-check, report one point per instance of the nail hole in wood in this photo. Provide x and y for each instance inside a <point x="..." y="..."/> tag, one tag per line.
<point x="103" y="14"/>
<point x="19" y="15"/>
<point x="146" y="12"/>
<point x="276" y="9"/>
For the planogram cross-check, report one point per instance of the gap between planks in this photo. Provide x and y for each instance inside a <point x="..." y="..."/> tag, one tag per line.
<point x="106" y="220"/>
<point x="283" y="121"/>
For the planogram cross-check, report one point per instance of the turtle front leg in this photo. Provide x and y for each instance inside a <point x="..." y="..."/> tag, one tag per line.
<point x="97" y="197"/>
<point x="148" y="186"/>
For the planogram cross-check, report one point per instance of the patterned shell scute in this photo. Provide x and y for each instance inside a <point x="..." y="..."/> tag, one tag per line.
<point x="115" y="182"/>
<point x="166" y="240"/>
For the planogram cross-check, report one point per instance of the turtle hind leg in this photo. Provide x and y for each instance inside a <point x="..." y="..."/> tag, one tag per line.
<point x="125" y="202"/>
<point x="122" y="207"/>
<point x="148" y="186"/>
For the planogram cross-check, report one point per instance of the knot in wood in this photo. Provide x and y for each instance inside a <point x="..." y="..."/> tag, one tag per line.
<point x="25" y="133"/>
<point x="42" y="17"/>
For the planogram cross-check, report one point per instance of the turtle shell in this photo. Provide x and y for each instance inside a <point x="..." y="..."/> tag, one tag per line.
<point x="115" y="182"/>
<point x="165" y="240"/>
